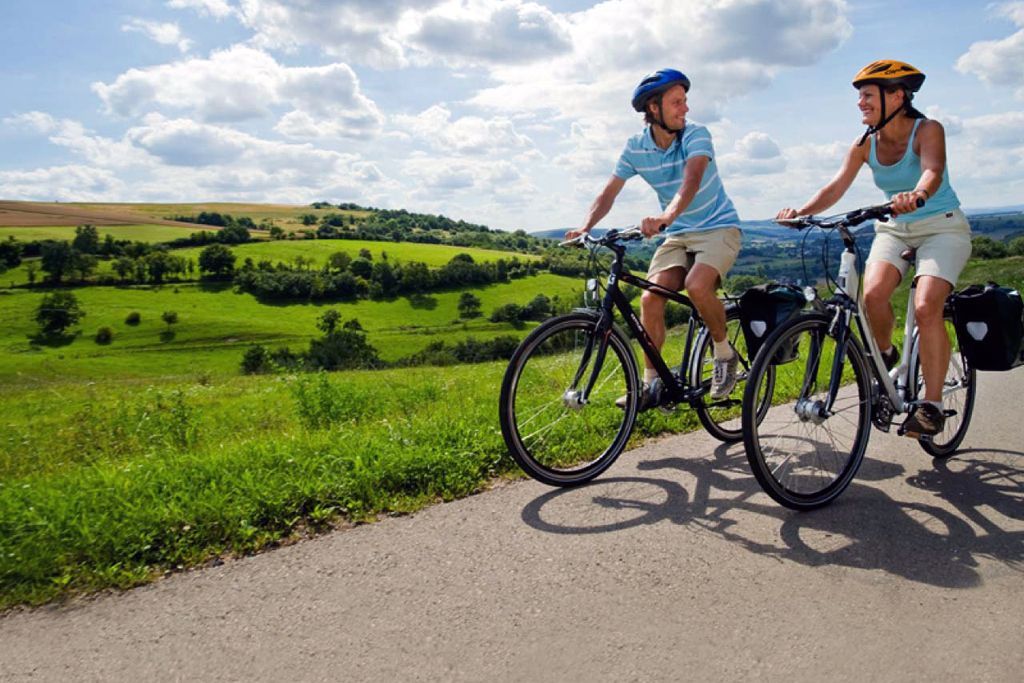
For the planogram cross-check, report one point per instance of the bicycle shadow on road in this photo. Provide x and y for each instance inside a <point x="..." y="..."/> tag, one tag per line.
<point x="865" y="529"/>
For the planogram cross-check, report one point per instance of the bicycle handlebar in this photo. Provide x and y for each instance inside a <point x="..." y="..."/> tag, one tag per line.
<point x="614" y="235"/>
<point x="846" y="220"/>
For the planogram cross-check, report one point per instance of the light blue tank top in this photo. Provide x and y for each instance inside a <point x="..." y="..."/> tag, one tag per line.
<point x="903" y="176"/>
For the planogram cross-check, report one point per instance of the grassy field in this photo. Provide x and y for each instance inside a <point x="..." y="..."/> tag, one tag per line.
<point x="136" y="233"/>
<point x="119" y="463"/>
<point x="216" y="325"/>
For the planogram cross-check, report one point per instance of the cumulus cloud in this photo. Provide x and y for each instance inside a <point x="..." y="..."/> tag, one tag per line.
<point x="395" y="33"/>
<point x="755" y="153"/>
<point x="214" y="8"/>
<point x="999" y="62"/>
<point x="72" y="182"/>
<point x="505" y="33"/>
<point x="165" y="33"/>
<point x="243" y="83"/>
<point x="466" y="135"/>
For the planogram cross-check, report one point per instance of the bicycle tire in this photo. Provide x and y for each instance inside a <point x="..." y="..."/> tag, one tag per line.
<point x="551" y="435"/>
<point x="785" y="449"/>
<point x="721" y="418"/>
<point x="958" y="393"/>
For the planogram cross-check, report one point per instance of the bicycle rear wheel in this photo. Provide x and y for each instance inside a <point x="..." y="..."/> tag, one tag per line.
<point x="721" y="417"/>
<point x="958" y="393"/>
<point x="803" y="456"/>
<point x="550" y="431"/>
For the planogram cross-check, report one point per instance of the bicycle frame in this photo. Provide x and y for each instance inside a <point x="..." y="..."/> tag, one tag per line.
<point x="677" y="388"/>
<point x="848" y="304"/>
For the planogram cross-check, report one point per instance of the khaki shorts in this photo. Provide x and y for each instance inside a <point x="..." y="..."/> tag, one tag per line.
<point x="943" y="244"/>
<point x="717" y="248"/>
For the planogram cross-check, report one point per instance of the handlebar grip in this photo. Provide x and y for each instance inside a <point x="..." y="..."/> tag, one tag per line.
<point x="661" y="228"/>
<point x="919" y="203"/>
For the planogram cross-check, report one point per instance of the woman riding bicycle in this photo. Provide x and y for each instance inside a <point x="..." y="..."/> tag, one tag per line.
<point x="907" y="157"/>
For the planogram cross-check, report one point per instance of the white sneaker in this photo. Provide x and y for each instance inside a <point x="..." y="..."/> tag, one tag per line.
<point x="723" y="376"/>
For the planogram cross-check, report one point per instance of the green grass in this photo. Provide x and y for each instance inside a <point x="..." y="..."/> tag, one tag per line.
<point x="111" y="485"/>
<point x="434" y="255"/>
<point x="136" y="233"/>
<point x="166" y="458"/>
<point x="216" y="325"/>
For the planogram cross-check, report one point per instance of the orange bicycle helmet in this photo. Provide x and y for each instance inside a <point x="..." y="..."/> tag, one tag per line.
<point x="887" y="74"/>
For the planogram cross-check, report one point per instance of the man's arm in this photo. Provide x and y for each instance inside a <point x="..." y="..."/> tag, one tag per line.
<point x="693" y="173"/>
<point x="601" y="206"/>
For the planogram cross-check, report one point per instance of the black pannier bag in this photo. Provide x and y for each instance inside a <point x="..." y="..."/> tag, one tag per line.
<point x="762" y="309"/>
<point x="989" y="322"/>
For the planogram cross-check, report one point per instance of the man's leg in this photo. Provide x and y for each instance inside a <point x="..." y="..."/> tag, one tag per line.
<point x="652" y="312"/>
<point x="702" y="288"/>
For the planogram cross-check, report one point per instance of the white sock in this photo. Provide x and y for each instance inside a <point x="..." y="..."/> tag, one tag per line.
<point x="649" y="375"/>
<point x="723" y="350"/>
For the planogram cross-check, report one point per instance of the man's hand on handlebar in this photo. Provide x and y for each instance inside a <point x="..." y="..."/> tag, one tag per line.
<point x="653" y="225"/>
<point x="573" y="234"/>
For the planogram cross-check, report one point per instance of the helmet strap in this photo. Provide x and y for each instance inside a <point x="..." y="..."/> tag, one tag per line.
<point x="660" y="121"/>
<point x="883" y="119"/>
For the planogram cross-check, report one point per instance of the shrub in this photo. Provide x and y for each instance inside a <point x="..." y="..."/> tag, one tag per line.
<point x="105" y="335"/>
<point x="134" y="318"/>
<point x="256" y="360"/>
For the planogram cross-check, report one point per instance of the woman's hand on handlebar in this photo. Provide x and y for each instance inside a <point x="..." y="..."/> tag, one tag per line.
<point x="905" y="202"/>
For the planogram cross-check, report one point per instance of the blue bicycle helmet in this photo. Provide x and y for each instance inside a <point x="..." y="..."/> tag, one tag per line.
<point x="657" y="83"/>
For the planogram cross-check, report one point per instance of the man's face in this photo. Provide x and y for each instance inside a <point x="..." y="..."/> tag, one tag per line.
<point x="673" y="107"/>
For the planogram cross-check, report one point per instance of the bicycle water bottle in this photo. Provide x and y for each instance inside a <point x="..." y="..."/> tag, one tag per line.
<point x="846" y="266"/>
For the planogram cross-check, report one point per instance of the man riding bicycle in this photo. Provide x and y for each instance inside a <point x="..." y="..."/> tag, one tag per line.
<point x="907" y="157"/>
<point x="677" y="160"/>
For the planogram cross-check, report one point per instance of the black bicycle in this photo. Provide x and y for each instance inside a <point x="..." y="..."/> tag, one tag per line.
<point x="558" y="407"/>
<point x="805" y="453"/>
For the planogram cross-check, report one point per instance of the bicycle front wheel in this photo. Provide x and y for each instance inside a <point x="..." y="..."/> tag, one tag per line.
<point x="721" y="417"/>
<point x="802" y="454"/>
<point x="555" y="433"/>
<point x="958" y="392"/>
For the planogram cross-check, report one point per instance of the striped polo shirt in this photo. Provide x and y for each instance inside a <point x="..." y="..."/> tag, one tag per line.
<point x="711" y="208"/>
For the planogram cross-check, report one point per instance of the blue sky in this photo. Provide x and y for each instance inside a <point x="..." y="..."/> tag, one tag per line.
<point x="502" y="112"/>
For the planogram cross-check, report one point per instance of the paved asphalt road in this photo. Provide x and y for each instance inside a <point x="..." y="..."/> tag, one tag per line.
<point x="672" y="566"/>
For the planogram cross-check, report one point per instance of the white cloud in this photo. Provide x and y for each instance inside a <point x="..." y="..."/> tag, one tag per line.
<point x="243" y="83"/>
<point x="491" y="32"/>
<point x="999" y="62"/>
<point x="466" y="135"/>
<point x="165" y="33"/>
<point x="754" y="154"/>
<point x="70" y="182"/>
<point x="214" y="8"/>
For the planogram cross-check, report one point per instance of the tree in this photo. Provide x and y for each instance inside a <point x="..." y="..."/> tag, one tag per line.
<point x="328" y="322"/>
<point x="987" y="248"/>
<point x="1016" y="246"/>
<point x="124" y="267"/>
<point x="308" y="219"/>
<point x="158" y="264"/>
<point x="469" y="305"/>
<point x="83" y="264"/>
<point x="339" y="261"/>
<point x="57" y="312"/>
<point x="87" y="239"/>
<point x="169" y="317"/>
<point x="217" y="260"/>
<point x="365" y="253"/>
<point x="10" y="254"/>
<point x="361" y="268"/>
<point x="56" y="259"/>
<point x="234" y="234"/>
